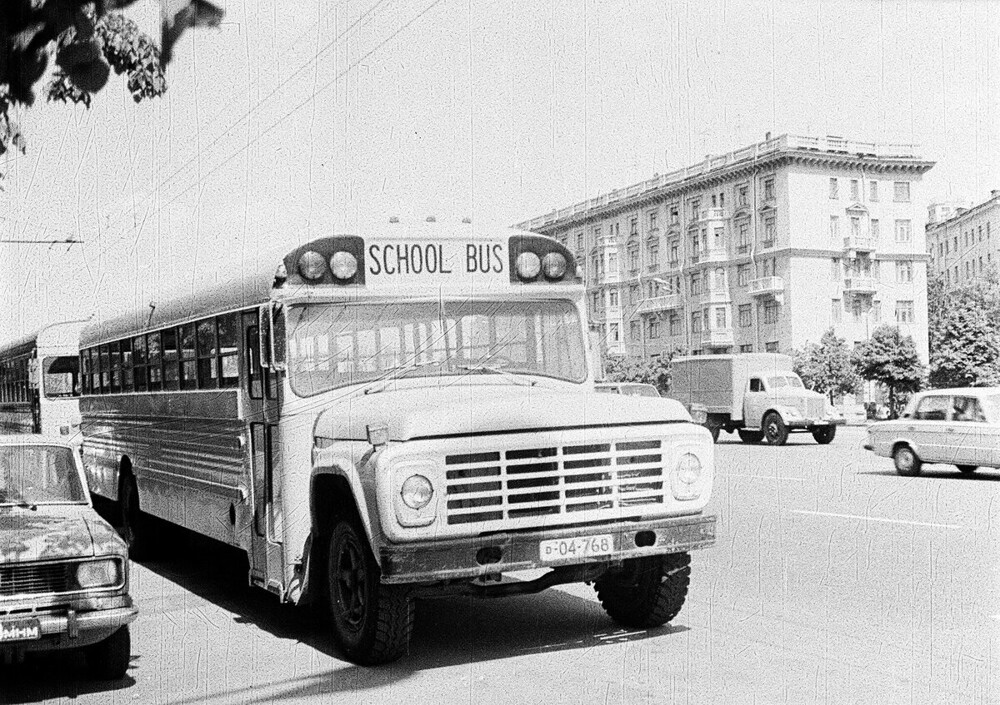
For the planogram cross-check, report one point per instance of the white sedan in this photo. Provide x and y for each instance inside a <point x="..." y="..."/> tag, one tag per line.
<point x="959" y="427"/>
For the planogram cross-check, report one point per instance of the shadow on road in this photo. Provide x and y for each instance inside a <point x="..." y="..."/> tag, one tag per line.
<point x="55" y="676"/>
<point x="987" y="475"/>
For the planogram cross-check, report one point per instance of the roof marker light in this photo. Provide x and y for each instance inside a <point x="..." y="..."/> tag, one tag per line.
<point x="554" y="265"/>
<point x="312" y="265"/>
<point x="344" y="265"/>
<point x="528" y="265"/>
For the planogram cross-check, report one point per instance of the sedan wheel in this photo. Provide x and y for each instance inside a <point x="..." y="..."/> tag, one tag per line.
<point x="906" y="461"/>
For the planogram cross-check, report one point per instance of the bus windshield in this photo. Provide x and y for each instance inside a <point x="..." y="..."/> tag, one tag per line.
<point x="60" y="376"/>
<point x="335" y="345"/>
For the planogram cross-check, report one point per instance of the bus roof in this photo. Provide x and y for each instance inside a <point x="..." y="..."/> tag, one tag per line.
<point x="254" y="279"/>
<point x="63" y="334"/>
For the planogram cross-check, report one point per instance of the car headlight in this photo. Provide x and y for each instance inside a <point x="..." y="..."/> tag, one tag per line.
<point x="684" y="479"/>
<point x="417" y="492"/>
<point x="101" y="573"/>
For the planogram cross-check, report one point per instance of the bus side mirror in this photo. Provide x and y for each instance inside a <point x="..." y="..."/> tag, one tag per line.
<point x="277" y="336"/>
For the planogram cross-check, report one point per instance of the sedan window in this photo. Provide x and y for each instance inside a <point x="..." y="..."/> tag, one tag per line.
<point x="967" y="409"/>
<point x="932" y="409"/>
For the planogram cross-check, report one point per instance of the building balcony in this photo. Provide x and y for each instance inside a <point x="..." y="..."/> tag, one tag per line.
<point x="858" y="243"/>
<point x="717" y="337"/>
<point x="712" y="214"/>
<point x="660" y="303"/>
<point x="770" y="287"/>
<point x="859" y="286"/>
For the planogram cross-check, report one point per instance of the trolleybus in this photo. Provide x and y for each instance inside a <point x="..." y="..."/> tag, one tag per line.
<point x="401" y="414"/>
<point x="40" y="382"/>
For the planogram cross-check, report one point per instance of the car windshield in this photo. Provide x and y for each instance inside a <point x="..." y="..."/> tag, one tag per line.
<point x="39" y="474"/>
<point x="60" y="376"/>
<point x="335" y="345"/>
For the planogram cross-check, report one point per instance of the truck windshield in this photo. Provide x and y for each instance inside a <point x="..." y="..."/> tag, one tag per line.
<point x="335" y="345"/>
<point x="783" y="381"/>
<point x="39" y="474"/>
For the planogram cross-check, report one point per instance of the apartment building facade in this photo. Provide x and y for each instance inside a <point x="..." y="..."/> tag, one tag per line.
<point x="760" y="249"/>
<point x="965" y="247"/>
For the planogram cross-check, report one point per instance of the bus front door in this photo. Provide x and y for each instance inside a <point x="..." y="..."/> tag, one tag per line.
<point x="261" y="404"/>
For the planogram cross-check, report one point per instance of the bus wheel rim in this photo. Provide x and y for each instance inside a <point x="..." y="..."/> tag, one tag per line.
<point x="351" y="584"/>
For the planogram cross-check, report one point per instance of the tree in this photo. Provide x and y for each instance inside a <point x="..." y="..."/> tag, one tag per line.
<point x="88" y="39"/>
<point x="827" y="367"/>
<point x="964" y="333"/>
<point x="655" y="371"/>
<point x="890" y="358"/>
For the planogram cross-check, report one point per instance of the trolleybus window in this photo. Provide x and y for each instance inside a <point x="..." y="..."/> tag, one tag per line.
<point x="229" y="336"/>
<point x="60" y="376"/>
<point x="139" y="371"/>
<point x="171" y="359"/>
<point x="189" y="363"/>
<point x="153" y="356"/>
<point x="333" y="346"/>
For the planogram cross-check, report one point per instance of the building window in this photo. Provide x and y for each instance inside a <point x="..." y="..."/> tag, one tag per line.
<point x="834" y="188"/>
<point x="615" y="334"/>
<point x="721" y="319"/>
<point x="675" y="324"/>
<point x="654" y="328"/>
<point x="652" y="220"/>
<point x="876" y="310"/>
<point x="904" y="272"/>
<point x="836" y="306"/>
<point x="768" y="232"/>
<point x="579" y="240"/>
<point x="675" y="214"/>
<point x="633" y="331"/>
<point x="875" y="226"/>
<point x="904" y="312"/>
<point x="695" y="284"/>
<point x="903" y="232"/>
<point x="695" y="205"/>
<point x="613" y="262"/>
<point x="901" y="192"/>
<point x="741" y="195"/>
<point x="834" y="227"/>
<point x="744" y="242"/>
<point x="855" y="226"/>
<point x="980" y="233"/>
<point x="674" y="253"/>
<point x="745" y="313"/>
<point x="771" y="346"/>
<point x="855" y="195"/>
<point x="696" y="320"/>
<point x="856" y="309"/>
<point x="633" y="259"/>
<point x="769" y="189"/>
<point x="835" y="267"/>
<point x="633" y="226"/>
<point x="766" y="267"/>
<point x="746" y="348"/>
<point x="743" y="274"/>
<point x="873" y="190"/>
<point x="770" y="312"/>
<point x="653" y="255"/>
<point x="613" y="299"/>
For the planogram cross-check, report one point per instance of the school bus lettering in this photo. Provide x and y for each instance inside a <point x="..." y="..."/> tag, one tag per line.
<point x="483" y="259"/>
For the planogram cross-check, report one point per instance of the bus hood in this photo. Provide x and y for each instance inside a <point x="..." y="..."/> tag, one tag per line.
<point x="456" y="410"/>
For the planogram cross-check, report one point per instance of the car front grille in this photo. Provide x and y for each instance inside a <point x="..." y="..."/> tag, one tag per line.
<point x="564" y="480"/>
<point x="36" y="578"/>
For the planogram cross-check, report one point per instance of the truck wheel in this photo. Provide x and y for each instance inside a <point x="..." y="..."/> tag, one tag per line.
<point x="824" y="434"/>
<point x="714" y="430"/>
<point x="906" y="461"/>
<point x="647" y="592"/>
<point x="372" y="622"/>
<point x="775" y="430"/>
<point x="750" y="437"/>
<point x="109" y="659"/>
<point x="134" y="524"/>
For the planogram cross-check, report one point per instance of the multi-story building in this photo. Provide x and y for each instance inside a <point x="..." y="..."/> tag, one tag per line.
<point x="962" y="247"/>
<point x="761" y="249"/>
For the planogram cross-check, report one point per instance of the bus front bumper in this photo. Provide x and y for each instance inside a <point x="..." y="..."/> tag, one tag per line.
<point x="450" y="559"/>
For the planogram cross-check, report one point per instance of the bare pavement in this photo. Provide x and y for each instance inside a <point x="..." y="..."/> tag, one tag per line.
<point x="833" y="581"/>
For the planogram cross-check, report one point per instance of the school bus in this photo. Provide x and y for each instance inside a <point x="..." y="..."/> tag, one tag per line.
<point x="39" y="382"/>
<point x="401" y="414"/>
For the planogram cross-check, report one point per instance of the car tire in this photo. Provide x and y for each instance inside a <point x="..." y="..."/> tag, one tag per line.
<point x="750" y="437"/>
<point x="775" y="430"/>
<point x="646" y="592"/>
<point x="134" y="524"/>
<point x="906" y="461"/>
<point x="109" y="659"/>
<point x="967" y="469"/>
<point x="372" y="622"/>
<point x="825" y="434"/>
<point x="714" y="430"/>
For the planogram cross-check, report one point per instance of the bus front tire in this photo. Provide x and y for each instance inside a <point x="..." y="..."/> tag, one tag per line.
<point x="646" y="592"/>
<point x="372" y="622"/>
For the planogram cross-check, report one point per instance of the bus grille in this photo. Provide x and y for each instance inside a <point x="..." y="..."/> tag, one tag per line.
<point x="33" y="579"/>
<point x="556" y="480"/>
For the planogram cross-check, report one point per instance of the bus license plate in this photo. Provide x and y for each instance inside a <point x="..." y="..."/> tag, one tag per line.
<point x="20" y="630"/>
<point x="577" y="547"/>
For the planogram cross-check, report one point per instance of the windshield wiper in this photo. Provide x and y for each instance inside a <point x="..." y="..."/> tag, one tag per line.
<point x="395" y="373"/>
<point x="492" y="369"/>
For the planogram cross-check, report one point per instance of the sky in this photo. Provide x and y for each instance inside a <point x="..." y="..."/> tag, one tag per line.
<point x="282" y="126"/>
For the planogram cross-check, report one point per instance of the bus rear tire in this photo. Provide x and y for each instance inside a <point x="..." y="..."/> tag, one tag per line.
<point x="647" y="592"/>
<point x="372" y="622"/>
<point x="134" y="524"/>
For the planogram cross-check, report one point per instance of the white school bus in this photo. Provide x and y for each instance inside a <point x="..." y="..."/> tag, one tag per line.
<point x="404" y="414"/>
<point x="40" y="382"/>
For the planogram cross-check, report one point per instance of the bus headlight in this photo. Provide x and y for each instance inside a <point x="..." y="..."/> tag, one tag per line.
<point x="528" y="265"/>
<point x="416" y="492"/>
<point x="102" y="573"/>
<point x="344" y="265"/>
<point x="312" y="265"/>
<point x="685" y="476"/>
<point x="554" y="265"/>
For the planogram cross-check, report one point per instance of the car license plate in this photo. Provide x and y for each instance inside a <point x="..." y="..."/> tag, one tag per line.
<point x="20" y="630"/>
<point x="576" y="547"/>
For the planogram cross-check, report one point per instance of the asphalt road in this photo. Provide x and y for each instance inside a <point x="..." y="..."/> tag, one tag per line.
<point x="834" y="580"/>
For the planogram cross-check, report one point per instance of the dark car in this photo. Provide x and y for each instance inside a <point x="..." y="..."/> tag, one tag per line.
<point x="63" y="569"/>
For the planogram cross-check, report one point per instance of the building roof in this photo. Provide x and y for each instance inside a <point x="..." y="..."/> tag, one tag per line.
<point x="966" y="213"/>
<point x="834" y="151"/>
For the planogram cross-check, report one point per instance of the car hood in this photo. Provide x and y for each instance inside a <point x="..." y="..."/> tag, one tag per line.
<point x="54" y="532"/>
<point x="411" y="413"/>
